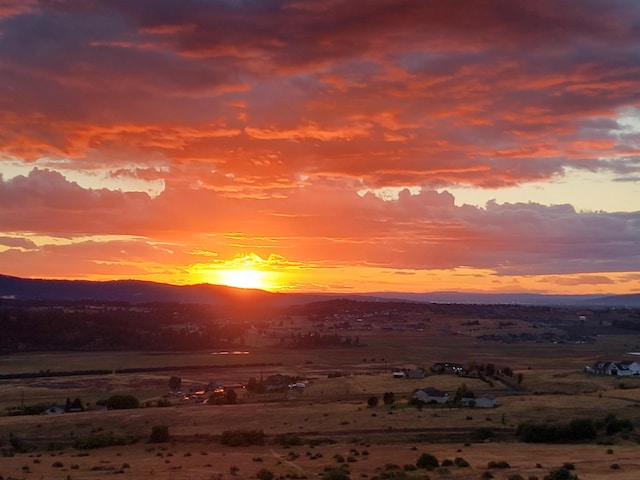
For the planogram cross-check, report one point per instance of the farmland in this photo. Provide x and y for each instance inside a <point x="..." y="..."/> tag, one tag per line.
<point x="330" y="420"/>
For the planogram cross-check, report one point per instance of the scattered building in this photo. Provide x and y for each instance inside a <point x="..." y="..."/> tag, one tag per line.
<point x="277" y="382"/>
<point x="485" y="401"/>
<point x="626" y="368"/>
<point x="53" y="410"/>
<point x="447" y="367"/>
<point x="431" y="395"/>
<point x="417" y="373"/>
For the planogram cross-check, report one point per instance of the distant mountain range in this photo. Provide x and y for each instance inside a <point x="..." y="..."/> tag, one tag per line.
<point x="138" y="292"/>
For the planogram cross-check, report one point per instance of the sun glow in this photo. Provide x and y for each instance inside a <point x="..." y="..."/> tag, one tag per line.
<point x="242" y="271"/>
<point x="243" y="278"/>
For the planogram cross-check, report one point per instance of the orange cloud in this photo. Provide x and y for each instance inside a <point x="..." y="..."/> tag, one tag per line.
<point x="271" y="129"/>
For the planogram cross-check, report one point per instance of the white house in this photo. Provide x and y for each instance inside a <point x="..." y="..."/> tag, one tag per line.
<point x="485" y="401"/>
<point x="626" y="368"/>
<point x="53" y="410"/>
<point x="431" y="395"/>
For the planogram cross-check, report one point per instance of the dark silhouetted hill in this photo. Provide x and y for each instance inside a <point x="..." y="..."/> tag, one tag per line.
<point x="132" y="291"/>
<point x="137" y="292"/>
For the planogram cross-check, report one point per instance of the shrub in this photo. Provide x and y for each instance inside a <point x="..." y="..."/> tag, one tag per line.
<point x="577" y="430"/>
<point x="121" y="402"/>
<point x="428" y="461"/>
<point x="287" y="439"/>
<point x="501" y="464"/>
<point x="515" y="476"/>
<point x="242" y="438"/>
<point x="264" y="474"/>
<point x="560" y="474"/>
<point x="388" y="398"/>
<point x="484" y="433"/>
<point x="613" y="425"/>
<point x="175" y="383"/>
<point x="461" y="462"/>
<point x="159" y="434"/>
<point x="101" y="440"/>
<point x="335" y="474"/>
<point x="372" y="401"/>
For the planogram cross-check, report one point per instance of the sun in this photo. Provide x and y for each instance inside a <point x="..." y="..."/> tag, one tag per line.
<point x="243" y="278"/>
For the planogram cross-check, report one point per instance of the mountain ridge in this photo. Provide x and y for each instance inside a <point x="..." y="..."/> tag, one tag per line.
<point x="143" y="291"/>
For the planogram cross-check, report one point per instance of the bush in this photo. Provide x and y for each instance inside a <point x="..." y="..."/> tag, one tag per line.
<point x="577" y="430"/>
<point x="264" y="474"/>
<point x="159" y="434"/>
<point x="484" y="433"/>
<point x="372" y="401"/>
<point x="288" y="439"/>
<point x="428" y="461"/>
<point x="242" y="438"/>
<point x="335" y="474"/>
<point x="100" y="440"/>
<point x="461" y="462"/>
<point x="613" y="425"/>
<point x="122" y="402"/>
<point x="501" y="464"/>
<point x="388" y="398"/>
<point x="175" y="383"/>
<point x="560" y="474"/>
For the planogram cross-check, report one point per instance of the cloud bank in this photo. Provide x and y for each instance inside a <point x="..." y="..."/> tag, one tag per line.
<point x="163" y="140"/>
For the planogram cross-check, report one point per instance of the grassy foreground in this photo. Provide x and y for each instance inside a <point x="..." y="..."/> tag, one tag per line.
<point x="327" y="425"/>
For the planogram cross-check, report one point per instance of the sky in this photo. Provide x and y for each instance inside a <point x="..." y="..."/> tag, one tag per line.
<point x="323" y="145"/>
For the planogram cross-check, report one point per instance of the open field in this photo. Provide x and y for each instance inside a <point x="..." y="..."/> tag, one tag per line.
<point x="554" y="389"/>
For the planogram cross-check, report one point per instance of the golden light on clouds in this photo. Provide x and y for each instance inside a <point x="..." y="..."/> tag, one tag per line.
<point x="242" y="278"/>
<point x="243" y="271"/>
<point x="468" y="150"/>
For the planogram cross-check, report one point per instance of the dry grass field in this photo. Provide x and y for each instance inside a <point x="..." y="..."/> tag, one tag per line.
<point x="330" y="417"/>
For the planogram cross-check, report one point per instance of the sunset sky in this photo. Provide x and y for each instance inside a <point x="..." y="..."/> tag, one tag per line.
<point x="323" y="145"/>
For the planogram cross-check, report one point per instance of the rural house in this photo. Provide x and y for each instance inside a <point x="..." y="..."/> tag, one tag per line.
<point x="277" y="382"/>
<point x="431" y="395"/>
<point x="485" y="401"/>
<point x="447" y="367"/>
<point x="417" y="373"/>
<point x="626" y="368"/>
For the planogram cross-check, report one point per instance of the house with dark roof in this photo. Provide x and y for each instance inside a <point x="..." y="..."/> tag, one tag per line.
<point x="276" y="382"/>
<point x="626" y="368"/>
<point x="431" y="395"/>
<point x="484" y="401"/>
